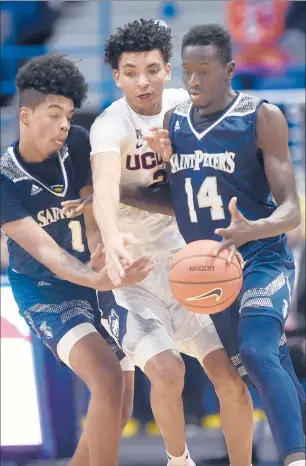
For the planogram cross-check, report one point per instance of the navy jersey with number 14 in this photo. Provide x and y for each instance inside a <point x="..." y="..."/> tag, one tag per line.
<point x="211" y="167"/>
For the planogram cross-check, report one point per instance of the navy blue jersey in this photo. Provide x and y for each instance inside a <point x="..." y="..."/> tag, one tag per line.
<point x="208" y="168"/>
<point x="37" y="190"/>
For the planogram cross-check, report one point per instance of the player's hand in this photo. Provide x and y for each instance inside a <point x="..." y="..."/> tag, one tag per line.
<point x="97" y="258"/>
<point x="117" y="256"/>
<point x="134" y="273"/>
<point x="159" y="141"/>
<point x="236" y="234"/>
<point x="76" y="207"/>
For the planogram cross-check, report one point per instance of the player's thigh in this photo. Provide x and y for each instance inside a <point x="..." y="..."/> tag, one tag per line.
<point x="132" y="320"/>
<point x="61" y="315"/>
<point x="202" y="344"/>
<point x="267" y="290"/>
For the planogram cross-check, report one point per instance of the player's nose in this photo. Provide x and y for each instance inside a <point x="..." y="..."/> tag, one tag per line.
<point x="194" y="80"/>
<point x="65" y="125"/>
<point x="143" y="81"/>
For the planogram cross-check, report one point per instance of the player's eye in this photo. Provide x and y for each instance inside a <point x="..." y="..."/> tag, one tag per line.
<point x="154" y="71"/>
<point x="130" y="74"/>
<point x="54" y="116"/>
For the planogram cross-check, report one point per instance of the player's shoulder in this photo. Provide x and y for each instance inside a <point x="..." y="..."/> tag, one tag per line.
<point x="116" y="112"/>
<point x="246" y="104"/>
<point x="174" y="97"/>
<point x="77" y="136"/>
<point x="77" y="132"/>
<point x="9" y="168"/>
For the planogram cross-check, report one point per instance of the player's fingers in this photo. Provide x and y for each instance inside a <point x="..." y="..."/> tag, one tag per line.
<point x="165" y="142"/>
<point x="80" y="209"/>
<point x="222" y="232"/>
<point x="141" y="263"/>
<point x="163" y="133"/>
<point x="232" y="250"/>
<point x="240" y="259"/>
<point x="72" y="203"/>
<point x="235" y="214"/>
<point x="98" y="251"/>
<point x="70" y="213"/>
<point x="221" y="247"/>
<point x="115" y="272"/>
<point x="124" y="255"/>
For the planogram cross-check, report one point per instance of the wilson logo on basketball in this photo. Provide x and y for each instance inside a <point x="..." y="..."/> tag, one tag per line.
<point x="215" y="292"/>
<point x="201" y="268"/>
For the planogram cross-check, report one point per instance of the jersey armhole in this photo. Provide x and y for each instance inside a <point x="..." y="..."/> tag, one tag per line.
<point x="167" y="118"/>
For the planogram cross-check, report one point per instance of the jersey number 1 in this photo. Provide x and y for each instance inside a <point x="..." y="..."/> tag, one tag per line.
<point x="207" y="197"/>
<point x="76" y="236"/>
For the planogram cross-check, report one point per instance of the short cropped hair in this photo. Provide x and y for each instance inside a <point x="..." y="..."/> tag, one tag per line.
<point x="210" y="34"/>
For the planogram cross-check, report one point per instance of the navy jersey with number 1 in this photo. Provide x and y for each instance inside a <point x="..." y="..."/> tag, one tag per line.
<point x="52" y="307"/>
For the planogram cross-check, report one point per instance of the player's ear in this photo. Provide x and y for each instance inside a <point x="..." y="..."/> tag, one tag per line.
<point x="231" y="69"/>
<point x="168" y="69"/>
<point x="24" y="114"/>
<point x="116" y="76"/>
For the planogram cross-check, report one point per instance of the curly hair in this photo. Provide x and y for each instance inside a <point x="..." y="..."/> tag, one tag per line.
<point x="138" y="36"/>
<point x="210" y="34"/>
<point x="51" y="74"/>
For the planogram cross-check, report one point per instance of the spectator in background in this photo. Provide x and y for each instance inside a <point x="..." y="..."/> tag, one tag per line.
<point x="256" y="29"/>
<point x="23" y="23"/>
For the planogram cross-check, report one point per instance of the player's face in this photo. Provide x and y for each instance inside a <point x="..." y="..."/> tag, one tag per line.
<point x="48" y="124"/>
<point x="142" y="77"/>
<point x="205" y="75"/>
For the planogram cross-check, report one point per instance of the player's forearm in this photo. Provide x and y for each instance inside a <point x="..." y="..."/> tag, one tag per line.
<point x="93" y="233"/>
<point x="67" y="267"/>
<point x="285" y="218"/>
<point x="157" y="200"/>
<point x="106" y="197"/>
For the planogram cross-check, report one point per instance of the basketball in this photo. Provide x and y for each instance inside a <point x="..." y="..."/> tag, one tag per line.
<point x="204" y="283"/>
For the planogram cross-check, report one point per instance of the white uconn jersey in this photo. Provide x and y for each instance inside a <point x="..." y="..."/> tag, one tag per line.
<point x="120" y="129"/>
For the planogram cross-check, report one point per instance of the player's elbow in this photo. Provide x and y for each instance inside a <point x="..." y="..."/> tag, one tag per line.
<point x="295" y="218"/>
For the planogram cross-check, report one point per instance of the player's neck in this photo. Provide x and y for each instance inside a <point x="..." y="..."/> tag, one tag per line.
<point x="29" y="152"/>
<point x="218" y="105"/>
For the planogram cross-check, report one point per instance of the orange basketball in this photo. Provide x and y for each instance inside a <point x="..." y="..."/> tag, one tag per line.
<point x="203" y="283"/>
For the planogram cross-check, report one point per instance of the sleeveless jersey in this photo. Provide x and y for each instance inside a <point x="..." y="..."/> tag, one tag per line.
<point x="120" y="129"/>
<point x="209" y="168"/>
<point x="25" y="195"/>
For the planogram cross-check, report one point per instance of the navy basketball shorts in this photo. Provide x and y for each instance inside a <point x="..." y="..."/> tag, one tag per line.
<point x="60" y="313"/>
<point x="267" y="290"/>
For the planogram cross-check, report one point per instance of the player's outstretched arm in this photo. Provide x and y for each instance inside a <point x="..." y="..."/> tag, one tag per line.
<point x="106" y="172"/>
<point x="37" y="242"/>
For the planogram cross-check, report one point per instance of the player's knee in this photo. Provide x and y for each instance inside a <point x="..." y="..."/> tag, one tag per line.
<point x="166" y="372"/>
<point x="231" y="390"/>
<point x="107" y="381"/>
<point x="257" y="361"/>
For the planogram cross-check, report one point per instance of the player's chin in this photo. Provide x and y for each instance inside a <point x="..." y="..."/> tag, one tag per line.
<point x="199" y="100"/>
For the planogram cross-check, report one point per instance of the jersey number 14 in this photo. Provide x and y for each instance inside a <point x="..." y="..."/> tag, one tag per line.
<point x="207" y="197"/>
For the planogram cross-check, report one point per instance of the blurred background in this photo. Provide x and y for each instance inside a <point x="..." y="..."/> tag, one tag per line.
<point x="43" y="405"/>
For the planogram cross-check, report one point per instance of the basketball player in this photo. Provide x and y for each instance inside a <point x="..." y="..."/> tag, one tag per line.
<point x="155" y="329"/>
<point x="228" y="155"/>
<point x="49" y="163"/>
